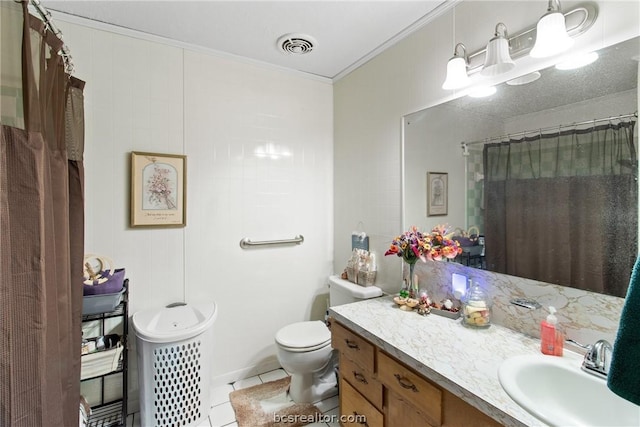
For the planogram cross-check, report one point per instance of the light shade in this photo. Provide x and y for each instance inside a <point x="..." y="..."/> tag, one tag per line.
<point x="457" y="76"/>
<point x="523" y="80"/>
<point x="498" y="60"/>
<point x="551" y="37"/>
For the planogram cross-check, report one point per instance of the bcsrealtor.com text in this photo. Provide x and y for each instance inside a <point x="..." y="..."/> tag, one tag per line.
<point x="319" y="418"/>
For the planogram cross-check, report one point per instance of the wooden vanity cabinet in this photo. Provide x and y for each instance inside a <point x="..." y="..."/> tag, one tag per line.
<point x="388" y="393"/>
<point x="361" y="394"/>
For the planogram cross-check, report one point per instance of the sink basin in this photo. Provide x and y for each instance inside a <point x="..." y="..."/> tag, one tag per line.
<point x="558" y="392"/>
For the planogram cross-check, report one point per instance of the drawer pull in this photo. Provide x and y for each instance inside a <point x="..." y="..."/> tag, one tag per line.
<point x="359" y="377"/>
<point x="357" y="417"/>
<point x="405" y="383"/>
<point x="351" y="344"/>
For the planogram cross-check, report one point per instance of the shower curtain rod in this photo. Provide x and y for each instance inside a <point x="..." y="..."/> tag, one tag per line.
<point x="509" y="135"/>
<point x="48" y="21"/>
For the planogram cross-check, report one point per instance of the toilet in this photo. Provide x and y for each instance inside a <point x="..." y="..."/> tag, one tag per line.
<point x="304" y="348"/>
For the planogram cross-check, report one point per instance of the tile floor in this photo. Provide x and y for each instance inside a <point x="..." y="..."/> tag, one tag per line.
<point x="222" y="414"/>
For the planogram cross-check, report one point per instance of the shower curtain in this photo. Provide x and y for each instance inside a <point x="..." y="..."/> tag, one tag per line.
<point x="562" y="207"/>
<point x="41" y="226"/>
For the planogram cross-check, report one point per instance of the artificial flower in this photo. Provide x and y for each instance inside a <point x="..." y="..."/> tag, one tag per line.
<point x="414" y="245"/>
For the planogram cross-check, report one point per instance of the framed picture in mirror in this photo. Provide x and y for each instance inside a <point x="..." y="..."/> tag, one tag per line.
<point x="437" y="193"/>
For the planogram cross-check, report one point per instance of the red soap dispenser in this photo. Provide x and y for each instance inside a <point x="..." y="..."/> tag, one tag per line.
<point x="551" y="337"/>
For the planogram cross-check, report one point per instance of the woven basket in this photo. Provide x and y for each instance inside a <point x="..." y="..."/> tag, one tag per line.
<point x="467" y="238"/>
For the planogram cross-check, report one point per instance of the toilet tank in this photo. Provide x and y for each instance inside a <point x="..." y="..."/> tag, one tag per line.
<point x="344" y="292"/>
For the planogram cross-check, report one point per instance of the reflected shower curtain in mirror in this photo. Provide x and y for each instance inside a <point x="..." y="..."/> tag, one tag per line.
<point x="544" y="191"/>
<point x="41" y="226"/>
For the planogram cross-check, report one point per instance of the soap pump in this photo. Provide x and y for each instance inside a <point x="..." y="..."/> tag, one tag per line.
<point x="551" y="337"/>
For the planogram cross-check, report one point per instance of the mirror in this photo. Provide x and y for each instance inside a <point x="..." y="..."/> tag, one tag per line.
<point x="433" y="140"/>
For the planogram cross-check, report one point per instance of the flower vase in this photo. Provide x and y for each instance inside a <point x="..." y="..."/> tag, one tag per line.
<point x="413" y="287"/>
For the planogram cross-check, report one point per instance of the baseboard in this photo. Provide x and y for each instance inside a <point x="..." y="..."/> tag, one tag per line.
<point x="264" y="366"/>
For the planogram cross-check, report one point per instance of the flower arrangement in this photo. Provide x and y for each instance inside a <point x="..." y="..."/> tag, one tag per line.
<point x="414" y="245"/>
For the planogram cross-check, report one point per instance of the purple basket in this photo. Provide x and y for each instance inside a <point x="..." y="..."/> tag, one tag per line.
<point x="111" y="286"/>
<point x="466" y="241"/>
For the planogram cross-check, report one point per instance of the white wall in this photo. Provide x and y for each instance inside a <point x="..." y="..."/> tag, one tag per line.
<point x="145" y="95"/>
<point x="370" y="102"/>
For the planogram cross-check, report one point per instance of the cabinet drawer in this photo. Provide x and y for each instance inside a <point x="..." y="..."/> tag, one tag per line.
<point x="362" y="380"/>
<point x="411" y="387"/>
<point x="355" y="410"/>
<point x="353" y="346"/>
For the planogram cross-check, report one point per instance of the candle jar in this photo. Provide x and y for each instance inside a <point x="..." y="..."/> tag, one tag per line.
<point x="476" y="308"/>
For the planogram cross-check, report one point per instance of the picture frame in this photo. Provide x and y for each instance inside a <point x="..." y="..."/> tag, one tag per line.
<point x="158" y="190"/>
<point x="437" y="193"/>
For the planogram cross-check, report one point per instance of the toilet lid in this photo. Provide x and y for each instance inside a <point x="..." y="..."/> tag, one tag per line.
<point x="304" y="335"/>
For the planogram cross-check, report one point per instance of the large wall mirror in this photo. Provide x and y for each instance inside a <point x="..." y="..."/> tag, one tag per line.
<point x="545" y="171"/>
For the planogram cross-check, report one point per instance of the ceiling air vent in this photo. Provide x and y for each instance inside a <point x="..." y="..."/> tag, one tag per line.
<point x="296" y="44"/>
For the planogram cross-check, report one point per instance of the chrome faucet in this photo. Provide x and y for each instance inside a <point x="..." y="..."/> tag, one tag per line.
<point x="597" y="359"/>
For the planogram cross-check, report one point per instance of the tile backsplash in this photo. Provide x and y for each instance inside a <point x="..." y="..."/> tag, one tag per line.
<point x="585" y="316"/>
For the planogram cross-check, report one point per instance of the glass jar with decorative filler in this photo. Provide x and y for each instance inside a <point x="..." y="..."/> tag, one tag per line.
<point x="476" y="307"/>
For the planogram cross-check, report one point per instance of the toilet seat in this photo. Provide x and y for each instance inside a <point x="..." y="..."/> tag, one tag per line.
<point x="302" y="337"/>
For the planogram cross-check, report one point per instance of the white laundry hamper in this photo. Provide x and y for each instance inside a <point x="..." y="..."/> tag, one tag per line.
<point x="175" y="346"/>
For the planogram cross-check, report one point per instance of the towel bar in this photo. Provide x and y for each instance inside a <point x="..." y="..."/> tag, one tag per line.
<point x="246" y="243"/>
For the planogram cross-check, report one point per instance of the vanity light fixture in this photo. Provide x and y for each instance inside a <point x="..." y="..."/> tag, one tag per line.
<point x="578" y="61"/>
<point x="572" y="23"/>
<point x="551" y="33"/>
<point x="457" y="76"/>
<point x="498" y="60"/>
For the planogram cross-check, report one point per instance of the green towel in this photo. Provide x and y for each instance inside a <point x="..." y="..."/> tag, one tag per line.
<point x="624" y="375"/>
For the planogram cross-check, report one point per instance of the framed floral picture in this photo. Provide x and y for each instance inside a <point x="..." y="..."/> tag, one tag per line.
<point x="158" y="190"/>
<point x="437" y="193"/>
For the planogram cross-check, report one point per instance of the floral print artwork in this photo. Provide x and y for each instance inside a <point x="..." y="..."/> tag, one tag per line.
<point x="160" y="189"/>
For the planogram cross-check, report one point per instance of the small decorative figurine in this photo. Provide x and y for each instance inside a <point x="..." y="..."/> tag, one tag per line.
<point x="424" y="304"/>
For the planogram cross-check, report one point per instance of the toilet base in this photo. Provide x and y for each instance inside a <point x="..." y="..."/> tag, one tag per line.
<point x="314" y="387"/>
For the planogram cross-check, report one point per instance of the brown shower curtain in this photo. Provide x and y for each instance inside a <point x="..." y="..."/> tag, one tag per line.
<point x="562" y="208"/>
<point x="41" y="226"/>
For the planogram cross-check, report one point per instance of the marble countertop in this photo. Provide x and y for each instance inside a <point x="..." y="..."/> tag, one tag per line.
<point x="461" y="360"/>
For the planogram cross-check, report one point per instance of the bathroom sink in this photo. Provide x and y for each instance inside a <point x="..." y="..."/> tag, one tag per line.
<point x="558" y="392"/>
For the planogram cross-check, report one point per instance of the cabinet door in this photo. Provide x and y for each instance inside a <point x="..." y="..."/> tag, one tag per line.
<point x="355" y="410"/>
<point x="458" y="413"/>
<point x="411" y="387"/>
<point x="401" y="413"/>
